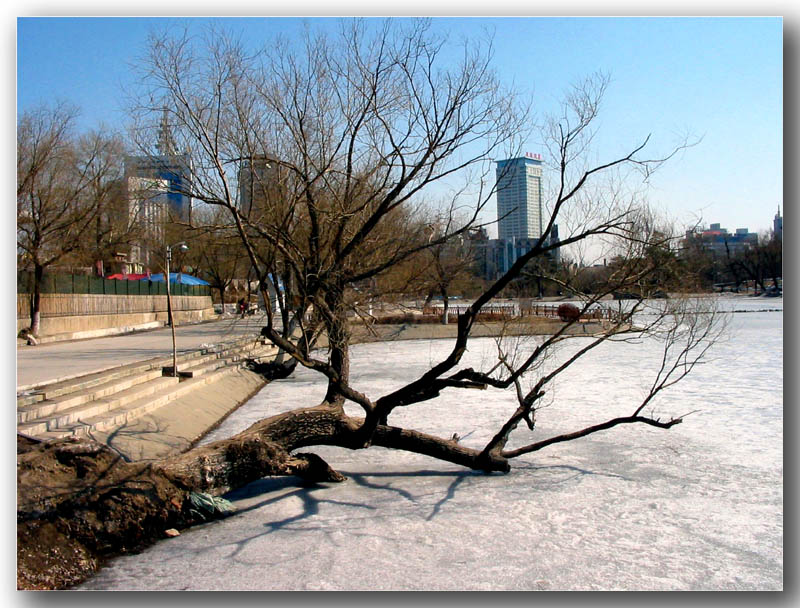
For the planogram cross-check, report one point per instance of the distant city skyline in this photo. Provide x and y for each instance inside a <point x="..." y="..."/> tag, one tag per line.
<point x="716" y="79"/>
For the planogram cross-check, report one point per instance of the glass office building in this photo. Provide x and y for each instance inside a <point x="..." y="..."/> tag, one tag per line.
<point x="519" y="197"/>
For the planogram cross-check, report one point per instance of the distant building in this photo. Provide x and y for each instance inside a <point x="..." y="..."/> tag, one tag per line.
<point x="777" y="226"/>
<point x="520" y="218"/>
<point x="719" y="241"/>
<point x="174" y="171"/>
<point x="519" y="197"/>
<point x="494" y="257"/>
<point x="258" y="177"/>
<point x="158" y="190"/>
<point x="148" y="214"/>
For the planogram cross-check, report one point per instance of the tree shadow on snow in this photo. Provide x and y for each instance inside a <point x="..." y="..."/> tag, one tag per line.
<point x="268" y="486"/>
<point x="277" y="489"/>
<point x="577" y="472"/>
<point x="304" y="491"/>
<point x="459" y="478"/>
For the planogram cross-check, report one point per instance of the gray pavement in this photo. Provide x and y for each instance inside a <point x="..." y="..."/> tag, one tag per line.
<point x="62" y="360"/>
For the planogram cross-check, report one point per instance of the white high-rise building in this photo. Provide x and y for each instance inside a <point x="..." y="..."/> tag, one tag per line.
<point x="174" y="170"/>
<point x="148" y="212"/>
<point x="519" y="197"/>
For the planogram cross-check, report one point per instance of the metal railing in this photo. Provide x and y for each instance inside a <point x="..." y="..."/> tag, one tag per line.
<point x="510" y="311"/>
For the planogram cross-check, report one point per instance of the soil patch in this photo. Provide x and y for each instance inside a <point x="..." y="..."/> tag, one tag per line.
<point x="79" y="503"/>
<point x="527" y="326"/>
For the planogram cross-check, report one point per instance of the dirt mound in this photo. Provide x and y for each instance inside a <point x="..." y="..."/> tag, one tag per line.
<point x="79" y="503"/>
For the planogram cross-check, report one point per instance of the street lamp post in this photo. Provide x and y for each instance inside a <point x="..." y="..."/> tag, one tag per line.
<point x="171" y="318"/>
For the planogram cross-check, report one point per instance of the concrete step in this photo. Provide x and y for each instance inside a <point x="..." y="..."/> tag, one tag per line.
<point x="198" y="362"/>
<point x="95" y="407"/>
<point x="215" y="358"/>
<point x="73" y="385"/>
<point x="228" y="357"/>
<point x="29" y="399"/>
<point x="104" y="400"/>
<point x="118" y="401"/>
<point x="257" y="350"/>
<point x="82" y="383"/>
<point x="199" y="370"/>
<point x="51" y="407"/>
<point x="136" y="409"/>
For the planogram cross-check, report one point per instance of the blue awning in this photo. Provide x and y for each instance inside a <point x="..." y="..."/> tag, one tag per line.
<point x="176" y="277"/>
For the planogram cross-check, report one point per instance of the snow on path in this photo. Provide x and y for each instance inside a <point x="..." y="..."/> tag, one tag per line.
<point x="635" y="508"/>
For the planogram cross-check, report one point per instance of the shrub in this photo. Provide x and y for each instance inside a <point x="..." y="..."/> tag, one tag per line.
<point x="568" y="312"/>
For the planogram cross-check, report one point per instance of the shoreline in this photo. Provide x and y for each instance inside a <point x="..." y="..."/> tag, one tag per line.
<point x="536" y="326"/>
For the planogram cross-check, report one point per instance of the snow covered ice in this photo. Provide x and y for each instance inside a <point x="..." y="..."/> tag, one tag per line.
<point x="695" y="507"/>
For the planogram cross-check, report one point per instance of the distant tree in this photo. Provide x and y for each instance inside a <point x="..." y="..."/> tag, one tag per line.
<point x="758" y="262"/>
<point x="215" y="250"/>
<point x="451" y="264"/>
<point x="699" y="267"/>
<point x="773" y="257"/>
<point x="114" y="229"/>
<point x="64" y="194"/>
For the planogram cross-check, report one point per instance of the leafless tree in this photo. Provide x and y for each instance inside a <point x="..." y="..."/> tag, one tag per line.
<point x="68" y="202"/>
<point x="215" y="249"/>
<point x="349" y="133"/>
<point x="449" y="263"/>
<point x="757" y="262"/>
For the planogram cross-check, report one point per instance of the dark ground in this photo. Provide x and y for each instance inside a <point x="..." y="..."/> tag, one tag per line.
<point x="78" y="504"/>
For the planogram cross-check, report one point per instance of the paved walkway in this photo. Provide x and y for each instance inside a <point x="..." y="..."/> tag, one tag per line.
<point x="62" y="360"/>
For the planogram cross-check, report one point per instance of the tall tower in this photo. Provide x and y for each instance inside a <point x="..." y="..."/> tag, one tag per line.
<point x="777" y="225"/>
<point x="519" y="197"/>
<point x="165" y="145"/>
<point x="167" y="167"/>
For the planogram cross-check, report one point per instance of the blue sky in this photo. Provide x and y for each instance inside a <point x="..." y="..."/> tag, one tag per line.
<point x="717" y="78"/>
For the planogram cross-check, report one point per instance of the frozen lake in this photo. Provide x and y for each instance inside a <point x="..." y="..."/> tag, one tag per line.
<point x="696" y="507"/>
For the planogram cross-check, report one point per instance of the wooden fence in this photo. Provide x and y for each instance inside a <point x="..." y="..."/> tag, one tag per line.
<point x="67" y="305"/>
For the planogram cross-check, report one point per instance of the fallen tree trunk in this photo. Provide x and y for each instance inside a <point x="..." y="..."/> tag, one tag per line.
<point x="266" y="449"/>
<point x="79" y="503"/>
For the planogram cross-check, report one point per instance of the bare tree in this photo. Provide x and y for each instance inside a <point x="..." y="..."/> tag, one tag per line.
<point x="215" y="249"/>
<point x="450" y="263"/>
<point x="334" y="142"/>
<point x="349" y="132"/>
<point x="66" y="201"/>
<point x="757" y="262"/>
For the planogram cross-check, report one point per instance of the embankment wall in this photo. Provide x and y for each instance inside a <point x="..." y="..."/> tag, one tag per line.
<point x="73" y="313"/>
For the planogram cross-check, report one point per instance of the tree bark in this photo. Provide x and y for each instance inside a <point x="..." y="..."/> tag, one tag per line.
<point x="36" y="298"/>
<point x="267" y="447"/>
<point x="445" y="307"/>
<point x="338" y="331"/>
